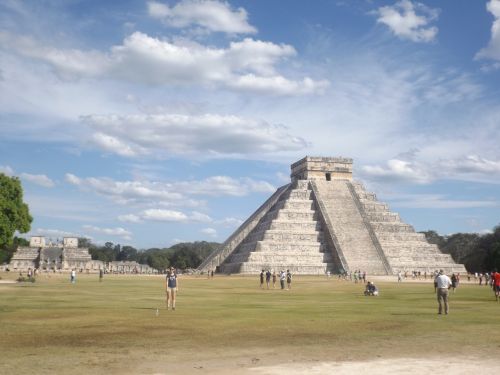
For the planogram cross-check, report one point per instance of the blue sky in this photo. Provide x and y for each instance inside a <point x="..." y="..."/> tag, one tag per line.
<point x="152" y="122"/>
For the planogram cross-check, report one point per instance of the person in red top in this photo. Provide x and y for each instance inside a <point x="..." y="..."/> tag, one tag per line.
<point x="496" y="284"/>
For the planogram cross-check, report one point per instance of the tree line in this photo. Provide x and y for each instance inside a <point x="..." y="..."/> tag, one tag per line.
<point x="478" y="252"/>
<point x="182" y="255"/>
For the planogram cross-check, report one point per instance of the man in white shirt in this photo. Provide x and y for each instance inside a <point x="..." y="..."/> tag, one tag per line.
<point x="443" y="283"/>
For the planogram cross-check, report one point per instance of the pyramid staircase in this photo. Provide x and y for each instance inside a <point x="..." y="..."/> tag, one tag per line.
<point x="288" y="236"/>
<point x="348" y="226"/>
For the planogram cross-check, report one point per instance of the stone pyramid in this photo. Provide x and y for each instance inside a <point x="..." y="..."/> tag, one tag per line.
<point x="323" y="221"/>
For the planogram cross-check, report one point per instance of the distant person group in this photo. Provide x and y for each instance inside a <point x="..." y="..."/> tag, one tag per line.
<point x="356" y="276"/>
<point x="283" y="277"/>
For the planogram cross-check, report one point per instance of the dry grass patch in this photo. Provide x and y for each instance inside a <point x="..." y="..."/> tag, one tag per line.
<point x="229" y="322"/>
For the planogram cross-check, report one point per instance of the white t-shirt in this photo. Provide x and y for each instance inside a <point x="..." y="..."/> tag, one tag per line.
<point x="443" y="281"/>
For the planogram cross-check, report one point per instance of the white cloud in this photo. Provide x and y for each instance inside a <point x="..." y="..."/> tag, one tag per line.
<point x="224" y="185"/>
<point x="130" y="218"/>
<point x="124" y="192"/>
<point x="472" y="164"/>
<point x="211" y="15"/>
<point x="168" y="194"/>
<point x="247" y="65"/>
<point x="51" y="233"/>
<point x="278" y="85"/>
<point x="209" y="134"/>
<point x="164" y="215"/>
<point x="399" y="170"/>
<point x="72" y="179"/>
<point x="69" y="63"/>
<point x="470" y="168"/>
<point x="465" y="168"/>
<point x="112" y="144"/>
<point x="492" y="51"/>
<point x="117" y="232"/>
<point x="404" y="22"/>
<point x="6" y="170"/>
<point x="211" y="232"/>
<point x="63" y="209"/>
<point x="200" y="217"/>
<point x="157" y="214"/>
<point x="38" y="179"/>
<point x="230" y="222"/>
<point x="437" y="201"/>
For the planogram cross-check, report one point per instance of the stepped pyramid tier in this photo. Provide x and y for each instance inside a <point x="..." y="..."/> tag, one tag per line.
<point x="323" y="221"/>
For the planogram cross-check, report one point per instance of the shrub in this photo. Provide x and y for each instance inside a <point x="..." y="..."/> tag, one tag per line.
<point x="22" y="279"/>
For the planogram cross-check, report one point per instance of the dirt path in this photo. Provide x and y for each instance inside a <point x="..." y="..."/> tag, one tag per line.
<point x="447" y="365"/>
<point x="408" y="366"/>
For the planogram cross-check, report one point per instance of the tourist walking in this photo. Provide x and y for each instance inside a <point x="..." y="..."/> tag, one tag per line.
<point x="400" y="277"/>
<point x="274" y="279"/>
<point x="443" y="283"/>
<point x="101" y="274"/>
<point x="454" y="282"/>
<point x="496" y="284"/>
<point x="262" y="279"/>
<point x="268" y="278"/>
<point x="172" y="288"/>
<point x="282" y="279"/>
<point x="289" y="279"/>
<point x="73" y="276"/>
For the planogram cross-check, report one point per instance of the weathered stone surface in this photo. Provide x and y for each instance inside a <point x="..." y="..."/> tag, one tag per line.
<point x="323" y="221"/>
<point x="64" y="257"/>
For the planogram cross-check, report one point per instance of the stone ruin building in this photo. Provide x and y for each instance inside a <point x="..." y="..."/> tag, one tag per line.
<point x="324" y="221"/>
<point x="45" y="256"/>
<point x="66" y="256"/>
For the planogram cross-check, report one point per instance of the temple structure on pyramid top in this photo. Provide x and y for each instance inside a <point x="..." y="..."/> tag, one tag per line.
<point x="324" y="221"/>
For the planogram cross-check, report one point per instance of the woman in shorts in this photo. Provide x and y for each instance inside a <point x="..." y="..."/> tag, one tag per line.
<point x="172" y="287"/>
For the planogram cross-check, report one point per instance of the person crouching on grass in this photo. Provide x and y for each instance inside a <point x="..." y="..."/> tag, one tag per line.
<point x="172" y="288"/>
<point x="371" y="289"/>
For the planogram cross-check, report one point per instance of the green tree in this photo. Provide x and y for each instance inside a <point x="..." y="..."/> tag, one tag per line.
<point x="185" y="258"/>
<point x="8" y="250"/>
<point x="85" y="242"/>
<point x="490" y="244"/>
<point x="158" y="260"/>
<point x="127" y="253"/>
<point x="433" y="237"/>
<point x="479" y="253"/>
<point x="14" y="213"/>
<point x="463" y="248"/>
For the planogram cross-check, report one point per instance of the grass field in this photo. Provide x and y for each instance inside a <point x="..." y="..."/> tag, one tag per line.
<point x="229" y="323"/>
